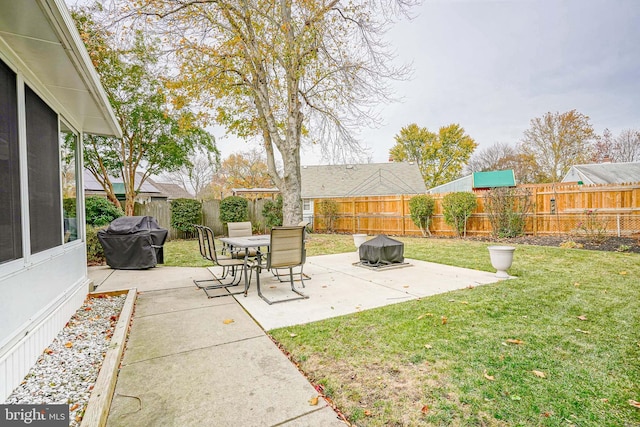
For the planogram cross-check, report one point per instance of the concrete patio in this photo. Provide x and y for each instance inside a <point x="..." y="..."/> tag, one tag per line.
<point x="192" y="361"/>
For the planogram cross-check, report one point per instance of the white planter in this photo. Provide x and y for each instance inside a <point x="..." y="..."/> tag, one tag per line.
<point x="501" y="259"/>
<point x="359" y="239"/>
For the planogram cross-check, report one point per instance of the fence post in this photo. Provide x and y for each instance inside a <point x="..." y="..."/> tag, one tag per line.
<point x="618" y="224"/>
<point x="403" y="213"/>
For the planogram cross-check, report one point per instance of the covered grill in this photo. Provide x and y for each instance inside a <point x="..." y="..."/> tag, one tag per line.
<point x="133" y="242"/>
<point x="381" y="250"/>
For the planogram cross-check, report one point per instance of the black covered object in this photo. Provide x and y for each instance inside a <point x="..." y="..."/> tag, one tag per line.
<point x="381" y="250"/>
<point x="133" y="242"/>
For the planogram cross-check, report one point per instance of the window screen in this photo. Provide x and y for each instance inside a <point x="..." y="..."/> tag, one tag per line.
<point x="43" y="163"/>
<point x="10" y="220"/>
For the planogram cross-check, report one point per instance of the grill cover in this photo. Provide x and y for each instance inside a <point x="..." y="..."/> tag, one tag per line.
<point x="133" y="242"/>
<point x="381" y="250"/>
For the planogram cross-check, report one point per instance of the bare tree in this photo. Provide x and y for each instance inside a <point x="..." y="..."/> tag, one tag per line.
<point x="626" y="146"/>
<point x="619" y="149"/>
<point x="495" y="157"/>
<point x="290" y="71"/>
<point x="196" y="175"/>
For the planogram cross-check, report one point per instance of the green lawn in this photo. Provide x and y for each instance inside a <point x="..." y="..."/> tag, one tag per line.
<point x="573" y="317"/>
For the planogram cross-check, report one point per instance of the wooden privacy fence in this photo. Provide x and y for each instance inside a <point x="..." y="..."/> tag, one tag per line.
<point x="557" y="209"/>
<point x="161" y="211"/>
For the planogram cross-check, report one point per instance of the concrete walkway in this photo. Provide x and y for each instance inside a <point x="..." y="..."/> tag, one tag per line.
<point x="186" y="364"/>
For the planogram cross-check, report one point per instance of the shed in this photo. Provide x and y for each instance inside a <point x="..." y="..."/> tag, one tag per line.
<point x="49" y="91"/>
<point x="477" y="181"/>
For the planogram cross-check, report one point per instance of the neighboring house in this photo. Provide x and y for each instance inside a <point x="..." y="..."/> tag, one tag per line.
<point x="358" y="180"/>
<point x="148" y="191"/>
<point x="171" y="191"/>
<point x="477" y="181"/>
<point x="49" y="93"/>
<point x="604" y="173"/>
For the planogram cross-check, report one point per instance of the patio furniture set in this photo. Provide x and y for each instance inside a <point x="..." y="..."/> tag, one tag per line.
<point x="242" y="253"/>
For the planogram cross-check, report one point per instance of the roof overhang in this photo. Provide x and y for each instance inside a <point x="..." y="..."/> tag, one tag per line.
<point x="42" y="41"/>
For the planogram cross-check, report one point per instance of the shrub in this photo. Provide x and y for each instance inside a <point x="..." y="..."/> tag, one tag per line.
<point x="234" y="209"/>
<point x="185" y="213"/>
<point x="272" y="212"/>
<point x="95" y="253"/>
<point x="593" y="227"/>
<point x="507" y="209"/>
<point x="101" y="211"/>
<point x="457" y="208"/>
<point x="421" y="208"/>
<point x="328" y="209"/>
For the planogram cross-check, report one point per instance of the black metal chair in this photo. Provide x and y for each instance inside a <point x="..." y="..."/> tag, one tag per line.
<point x="286" y="251"/>
<point x="207" y="245"/>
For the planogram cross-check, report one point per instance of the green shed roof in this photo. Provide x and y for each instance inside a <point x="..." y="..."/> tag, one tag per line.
<point x="491" y="179"/>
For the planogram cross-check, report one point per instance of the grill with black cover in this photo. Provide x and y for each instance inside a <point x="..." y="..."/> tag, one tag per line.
<point x="133" y="243"/>
<point x="381" y="250"/>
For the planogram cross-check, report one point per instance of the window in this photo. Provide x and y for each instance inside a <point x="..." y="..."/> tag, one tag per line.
<point x="68" y="170"/>
<point x="306" y="205"/>
<point x="10" y="211"/>
<point x="43" y="164"/>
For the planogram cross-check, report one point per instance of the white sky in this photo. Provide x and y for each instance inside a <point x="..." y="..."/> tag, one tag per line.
<point x="492" y="66"/>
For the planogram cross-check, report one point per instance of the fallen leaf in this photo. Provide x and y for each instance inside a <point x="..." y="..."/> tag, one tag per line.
<point x="367" y="412"/>
<point x="69" y="344"/>
<point x="324" y="286"/>
<point x="487" y="376"/>
<point x="292" y="335"/>
<point x="422" y="316"/>
<point x="227" y="321"/>
<point x="48" y="350"/>
<point x="582" y="317"/>
<point x="74" y="407"/>
<point x="623" y="273"/>
<point x="464" y="302"/>
<point x="272" y="287"/>
<point x="452" y="300"/>
<point x="428" y="346"/>
<point x="547" y="414"/>
<point x="313" y="401"/>
<point x="576" y="284"/>
<point x="424" y="409"/>
<point x="405" y="286"/>
<point x="581" y="331"/>
<point x="514" y="341"/>
<point x="539" y="374"/>
<point x="604" y="400"/>
<point x="444" y="320"/>
<point x="634" y="403"/>
<point x="516" y="398"/>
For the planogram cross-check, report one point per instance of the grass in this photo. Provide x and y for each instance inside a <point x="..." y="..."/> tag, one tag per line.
<point x="446" y="360"/>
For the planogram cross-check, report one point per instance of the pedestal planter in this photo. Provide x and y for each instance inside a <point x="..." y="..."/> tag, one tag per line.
<point x="359" y="239"/>
<point x="501" y="259"/>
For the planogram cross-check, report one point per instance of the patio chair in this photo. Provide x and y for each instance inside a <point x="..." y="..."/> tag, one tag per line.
<point x="207" y="245"/>
<point x="239" y="229"/>
<point x="286" y="251"/>
<point x="304" y="225"/>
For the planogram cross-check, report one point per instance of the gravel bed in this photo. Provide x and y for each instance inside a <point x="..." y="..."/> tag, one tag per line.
<point x="67" y="369"/>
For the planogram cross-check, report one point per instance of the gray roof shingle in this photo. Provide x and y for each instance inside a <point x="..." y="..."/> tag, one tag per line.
<point x="604" y="173"/>
<point x="369" y="179"/>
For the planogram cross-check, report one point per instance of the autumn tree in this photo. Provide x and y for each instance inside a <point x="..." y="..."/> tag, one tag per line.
<point x="440" y="156"/>
<point x="286" y="72"/>
<point x="157" y="136"/>
<point x="556" y="141"/>
<point x="240" y="170"/>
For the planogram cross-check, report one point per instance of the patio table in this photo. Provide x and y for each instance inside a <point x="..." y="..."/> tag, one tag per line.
<point x="246" y="243"/>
